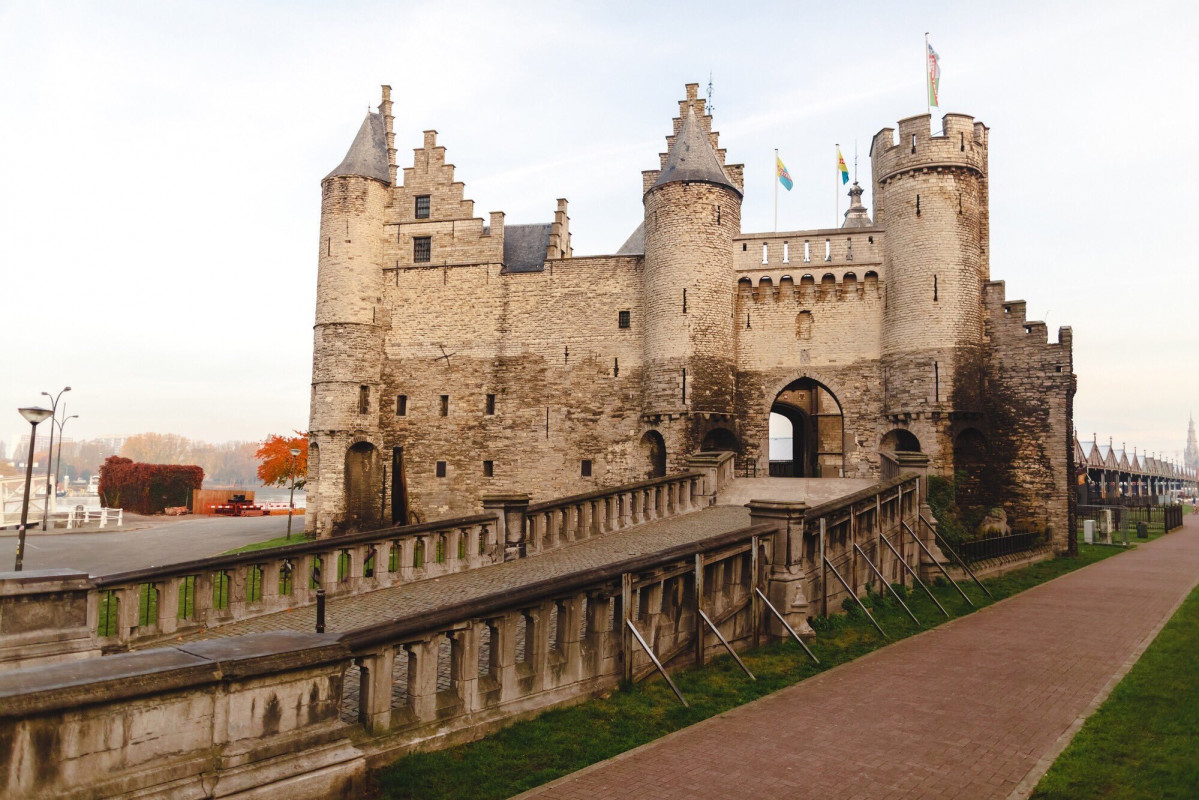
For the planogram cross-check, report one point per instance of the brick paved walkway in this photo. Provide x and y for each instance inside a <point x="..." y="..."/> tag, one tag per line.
<point x="973" y="709"/>
<point x="396" y="602"/>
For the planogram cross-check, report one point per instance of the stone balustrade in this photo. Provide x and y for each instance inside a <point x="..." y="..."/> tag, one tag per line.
<point x="570" y="519"/>
<point x="273" y="714"/>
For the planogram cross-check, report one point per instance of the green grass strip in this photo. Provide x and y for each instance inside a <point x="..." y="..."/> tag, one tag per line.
<point x="1143" y="742"/>
<point x="558" y="742"/>
<point x="278" y="541"/>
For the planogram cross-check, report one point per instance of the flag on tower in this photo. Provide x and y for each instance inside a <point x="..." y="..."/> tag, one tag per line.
<point x="844" y="170"/>
<point x="783" y="176"/>
<point x="934" y="75"/>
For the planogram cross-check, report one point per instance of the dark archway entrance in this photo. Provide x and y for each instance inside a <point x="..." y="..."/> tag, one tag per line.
<point x="900" y="440"/>
<point x="362" y="486"/>
<point x="806" y="432"/>
<point x="653" y="454"/>
<point x="720" y="440"/>
<point x="399" y="488"/>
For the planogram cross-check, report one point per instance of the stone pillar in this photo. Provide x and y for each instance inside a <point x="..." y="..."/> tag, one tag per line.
<point x="510" y="511"/>
<point x="374" y="699"/>
<point x="44" y="617"/>
<point x="787" y="574"/>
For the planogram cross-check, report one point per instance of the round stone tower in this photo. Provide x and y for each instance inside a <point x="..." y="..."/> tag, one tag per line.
<point x="692" y="213"/>
<point x="344" y="464"/>
<point x="930" y="195"/>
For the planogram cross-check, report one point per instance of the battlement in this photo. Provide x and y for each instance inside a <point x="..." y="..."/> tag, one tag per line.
<point x="809" y="250"/>
<point x="962" y="142"/>
<point x="847" y="285"/>
<point x="1009" y="319"/>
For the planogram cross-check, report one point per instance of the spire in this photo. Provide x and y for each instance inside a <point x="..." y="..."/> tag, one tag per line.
<point x="368" y="155"/>
<point x="692" y="158"/>
<point x="1191" y="454"/>
<point x="855" y="215"/>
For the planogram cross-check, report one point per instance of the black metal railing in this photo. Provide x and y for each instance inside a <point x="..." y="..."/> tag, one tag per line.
<point x="996" y="546"/>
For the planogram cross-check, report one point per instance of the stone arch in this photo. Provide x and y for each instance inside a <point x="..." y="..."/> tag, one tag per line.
<point x="720" y="440"/>
<point x="653" y="454"/>
<point x="900" y="440"/>
<point x="813" y="413"/>
<point x="362" y="482"/>
<point x="971" y="458"/>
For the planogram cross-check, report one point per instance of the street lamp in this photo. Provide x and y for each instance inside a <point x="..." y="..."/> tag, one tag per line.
<point x="58" y="462"/>
<point x="49" y="453"/>
<point x="291" y="500"/>
<point x="33" y="416"/>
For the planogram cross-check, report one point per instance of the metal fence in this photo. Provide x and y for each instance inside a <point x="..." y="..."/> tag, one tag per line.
<point x="996" y="546"/>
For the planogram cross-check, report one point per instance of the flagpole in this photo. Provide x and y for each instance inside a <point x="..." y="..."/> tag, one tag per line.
<point x="928" y="101"/>
<point x="776" y="190"/>
<point x="837" y="185"/>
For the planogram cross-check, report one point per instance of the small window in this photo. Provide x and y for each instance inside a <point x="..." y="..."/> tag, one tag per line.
<point x="422" y="249"/>
<point x="765" y="253"/>
<point x="364" y="399"/>
<point x="441" y="469"/>
<point x="444" y="410"/>
<point x="623" y="319"/>
<point x="807" y="251"/>
<point x="586" y="468"/>
<point x="828" y="250"/>
<point x="786" y="253"/>
<point x="401" y="405"/>
<point x="490" y="404"/>
<point x="488" y="469"/>
<point x="422" y="206"/>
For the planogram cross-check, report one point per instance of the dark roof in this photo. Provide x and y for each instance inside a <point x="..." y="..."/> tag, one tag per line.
<point x="367" y="156"/>
<point x="635" y="244"/>
<point x="692" y="158"/>
<point x="524" y="247"/>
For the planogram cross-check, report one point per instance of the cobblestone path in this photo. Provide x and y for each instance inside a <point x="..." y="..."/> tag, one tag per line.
<point x="356" y="611"/>
<point x="977" y="708"/>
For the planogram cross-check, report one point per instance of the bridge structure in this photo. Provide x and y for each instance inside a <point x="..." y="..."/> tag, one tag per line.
<point x="209" y="678"/>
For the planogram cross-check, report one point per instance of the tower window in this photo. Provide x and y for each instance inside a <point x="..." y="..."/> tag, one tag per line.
<point x="765" y="253"/>
<point x="490" y="404"/>
<point x="786" y="253"/>
<point x="807" y="251"/>
<point x="684" y="301"/>
<point x="422" y="249"/>
<point x="488" y="469"/>
<point x="445" y="405"/>
<point x="934" y="288"/>
<point x="917" y="205"/>
<point x="422" y="206"/>
<point x="828" y="250"/>
<point x="401" y="405"/>
<point x="364" y="399"/>
<point x="623" y="319"/>
<point x="585" y="468"/>
<point x="849" y="249"/>
<point x="441" y="469"/>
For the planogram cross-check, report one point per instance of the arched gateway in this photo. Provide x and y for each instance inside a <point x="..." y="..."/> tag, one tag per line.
<point x="806" y="432"/>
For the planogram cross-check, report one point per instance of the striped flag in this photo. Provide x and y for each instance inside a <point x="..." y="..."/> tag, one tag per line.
<point x="934" y="77"/>
<point x="844" y="170"/>
<point x="783" y="176"/>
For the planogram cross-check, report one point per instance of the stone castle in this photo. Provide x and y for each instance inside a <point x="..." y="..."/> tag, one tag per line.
<point x="456" y="357"/>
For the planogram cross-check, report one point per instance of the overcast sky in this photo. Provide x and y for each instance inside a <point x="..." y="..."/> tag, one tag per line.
<point x="161" y="165"/>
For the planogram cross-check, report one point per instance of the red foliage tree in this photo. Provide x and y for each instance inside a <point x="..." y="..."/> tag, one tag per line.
<point x="147" y="488"/>
<point x="275" y="460"/>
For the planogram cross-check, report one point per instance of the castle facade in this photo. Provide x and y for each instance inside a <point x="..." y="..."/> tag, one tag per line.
<point x="456" y="356"/>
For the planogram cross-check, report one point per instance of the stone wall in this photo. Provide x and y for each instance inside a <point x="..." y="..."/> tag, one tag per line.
<point x="1030" y="389"/>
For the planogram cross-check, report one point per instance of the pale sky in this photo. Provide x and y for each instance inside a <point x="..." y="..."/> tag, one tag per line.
<point x="162" y="167"/>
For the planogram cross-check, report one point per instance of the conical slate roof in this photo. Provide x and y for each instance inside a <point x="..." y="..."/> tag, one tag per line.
<point x="692" y="158"/>
<point x="367" y="156"/>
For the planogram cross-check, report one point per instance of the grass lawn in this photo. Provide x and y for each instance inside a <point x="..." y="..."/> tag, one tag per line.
<point x="278" y="541"/>
<point x="561" y="741"/>
<point x="1143" y="742"/>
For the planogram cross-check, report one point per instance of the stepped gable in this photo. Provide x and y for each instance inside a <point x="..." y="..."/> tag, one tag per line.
<point x="367" y="156"/>
<point x="692" y="158"/>
<point x="524" y="247"/>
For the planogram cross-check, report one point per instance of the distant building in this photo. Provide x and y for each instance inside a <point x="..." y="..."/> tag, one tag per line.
<point x="1190" y="456"/>
<point x="460" y="356"/>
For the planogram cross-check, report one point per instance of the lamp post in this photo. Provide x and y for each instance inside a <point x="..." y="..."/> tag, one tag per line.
<point x="291" y="500"/>
<point x="33" y="416"/>
<point x="50" y="453"/>
<point x="58" y="461"/>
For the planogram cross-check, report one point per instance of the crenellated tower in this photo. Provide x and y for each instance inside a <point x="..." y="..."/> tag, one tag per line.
<point x="930" y="194"/>
<point x="692" y="212"/>
<point x="344" y="475"/>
